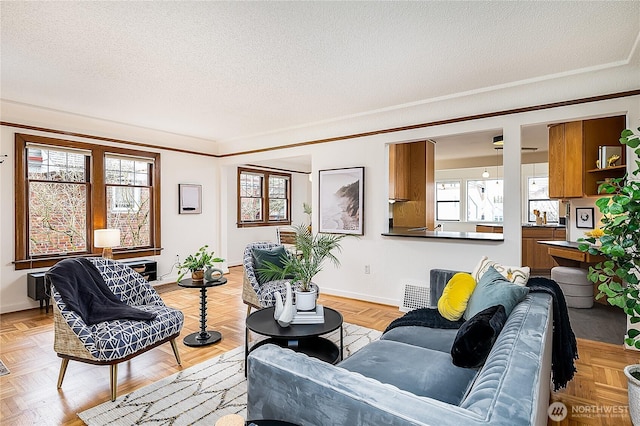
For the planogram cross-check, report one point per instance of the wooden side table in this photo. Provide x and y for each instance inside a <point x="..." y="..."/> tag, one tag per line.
<point x="202" y="337"/>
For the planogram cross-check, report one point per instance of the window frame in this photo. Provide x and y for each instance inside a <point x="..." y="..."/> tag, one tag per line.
<point x="266" y="174"/>
<point x="97" y="194"/>
<point x="529" y="200"/>
<point x="459" y="201"/>
<point x="467" y="201"/>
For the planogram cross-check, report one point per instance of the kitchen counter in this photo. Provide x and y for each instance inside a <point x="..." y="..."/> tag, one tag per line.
<point x="451" y="235"/>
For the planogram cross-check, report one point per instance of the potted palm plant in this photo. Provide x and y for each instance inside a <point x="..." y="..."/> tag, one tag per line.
<point x="196" y="263"/>
<point x="619" y="242"/>
<point x="311" y="252"/>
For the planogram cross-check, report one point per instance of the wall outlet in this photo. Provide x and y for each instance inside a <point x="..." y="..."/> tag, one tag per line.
<point x="367" y="269"/>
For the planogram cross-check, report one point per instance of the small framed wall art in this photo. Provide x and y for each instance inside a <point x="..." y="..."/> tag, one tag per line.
<point x="342" y="201"/>
<point x="190" y="198"/>
<point x="584" y="217"/>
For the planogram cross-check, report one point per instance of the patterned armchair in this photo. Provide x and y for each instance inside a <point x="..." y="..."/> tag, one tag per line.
<point x="111" y="342"/>
<point x="254" y="294"/>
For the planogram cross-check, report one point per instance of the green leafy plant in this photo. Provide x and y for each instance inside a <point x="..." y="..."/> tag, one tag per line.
<point x="194" y="262"/>
<point x="311" y="252"/>
<point x="619" y="275"/>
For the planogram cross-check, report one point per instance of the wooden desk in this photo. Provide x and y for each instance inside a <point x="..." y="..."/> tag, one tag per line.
<point x="566" y="253"/>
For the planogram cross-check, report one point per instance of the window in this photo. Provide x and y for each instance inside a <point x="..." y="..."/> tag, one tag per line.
<point x="485" y="200"/>
<point x="448" y="200"/>
<point x="66" y="189"/>
<point x="538" y="199"/>
<point x="128" y="186"/>
<point x="264" y="198"/>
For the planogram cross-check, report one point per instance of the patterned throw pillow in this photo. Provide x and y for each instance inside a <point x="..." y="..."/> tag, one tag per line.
<point x="455" y="296"/>
<point x="516" y="274"/>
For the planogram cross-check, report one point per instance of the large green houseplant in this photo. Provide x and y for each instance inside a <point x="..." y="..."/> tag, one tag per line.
<point x="619" y="241"/>
<point x="310" y="253"/>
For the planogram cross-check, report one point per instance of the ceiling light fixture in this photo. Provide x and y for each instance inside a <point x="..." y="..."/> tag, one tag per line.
<point x="534" y="174"/>
<point x="497" y="160"/>
<point x="485" y="174"/>
<point x="498" y="141"/>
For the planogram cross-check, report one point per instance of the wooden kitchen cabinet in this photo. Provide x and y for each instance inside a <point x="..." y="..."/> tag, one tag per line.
<point x="534" y="255"/>
<point x="573" y="151"/>
<point x="400" y="172"/>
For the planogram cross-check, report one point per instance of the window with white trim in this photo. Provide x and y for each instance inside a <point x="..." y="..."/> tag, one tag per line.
<point x="485" y="200"/>
<point x="448" y="200"/>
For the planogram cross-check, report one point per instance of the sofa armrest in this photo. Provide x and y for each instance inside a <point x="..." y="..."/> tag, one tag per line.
<point x="289" y="386"/>
<point x="438" y="279"/>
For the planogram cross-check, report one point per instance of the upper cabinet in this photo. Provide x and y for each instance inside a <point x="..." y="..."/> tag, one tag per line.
<point x="575" y="166"/>
<point x="399" y="171"/>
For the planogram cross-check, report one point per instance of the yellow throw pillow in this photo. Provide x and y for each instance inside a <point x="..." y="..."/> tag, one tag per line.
<point x="455" y="296"/>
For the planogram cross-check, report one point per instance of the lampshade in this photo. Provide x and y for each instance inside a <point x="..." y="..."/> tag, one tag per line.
<point x="106" y="238"/>
<point x="498" y="141"/>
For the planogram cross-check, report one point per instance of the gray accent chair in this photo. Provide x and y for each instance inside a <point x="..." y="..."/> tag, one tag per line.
<point x="408" y="378"/>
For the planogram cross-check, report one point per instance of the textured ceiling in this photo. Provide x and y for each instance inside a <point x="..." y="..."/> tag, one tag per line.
<point x="223" y="71"/>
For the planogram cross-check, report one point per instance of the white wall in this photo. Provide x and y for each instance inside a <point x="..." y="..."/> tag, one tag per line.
<point x="181" y="234"/>
<point x="393" y="260"/>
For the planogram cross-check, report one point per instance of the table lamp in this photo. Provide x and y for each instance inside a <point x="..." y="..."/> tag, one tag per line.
<point x="106" y="238"/>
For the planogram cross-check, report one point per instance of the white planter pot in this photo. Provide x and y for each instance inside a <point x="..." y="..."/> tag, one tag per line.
<point x="633" y="385"/>
<point x="306" y="300"/>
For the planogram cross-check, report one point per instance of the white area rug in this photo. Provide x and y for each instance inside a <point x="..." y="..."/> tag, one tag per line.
<point x="201" y="394"/>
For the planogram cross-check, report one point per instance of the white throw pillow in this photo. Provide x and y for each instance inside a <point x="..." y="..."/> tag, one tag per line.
<point x="516" y="274"/>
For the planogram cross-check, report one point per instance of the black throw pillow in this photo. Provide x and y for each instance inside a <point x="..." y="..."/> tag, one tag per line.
<point x="276" y="255"/>
<point x="476" y="337"/>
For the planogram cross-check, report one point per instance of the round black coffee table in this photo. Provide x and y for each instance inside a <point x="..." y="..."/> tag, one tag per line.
<point x="202" y="337"/>
<point x="303" y="338"/>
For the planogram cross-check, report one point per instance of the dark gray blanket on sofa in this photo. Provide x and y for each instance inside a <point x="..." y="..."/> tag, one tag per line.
<point x="424" y="317"/>
<point x="565" y="347"/>
<point x="84" y="291"/>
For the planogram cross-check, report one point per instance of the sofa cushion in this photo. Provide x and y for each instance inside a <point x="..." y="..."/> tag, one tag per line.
<point x="455" y="296"/>
<point x="476" y="337"/>
<point x="423" y="372"/>
<point x="275" y="255"/>
<point x="494" y="289"/>
<point x="438" y="339"/>
<point x="516" y="274"/>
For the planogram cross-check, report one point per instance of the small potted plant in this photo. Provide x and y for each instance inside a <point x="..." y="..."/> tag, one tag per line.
<point x="196" y="263"/>
<point x="619" y="242"/>
<point x="311" y="252"/>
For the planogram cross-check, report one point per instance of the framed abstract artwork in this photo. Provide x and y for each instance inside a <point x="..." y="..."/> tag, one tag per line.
<point x="584" y="217"/>
<point x="190" y="198"/>
<point x="341" y="201"/>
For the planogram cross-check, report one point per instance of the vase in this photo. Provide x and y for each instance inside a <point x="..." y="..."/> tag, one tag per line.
<point x="283" y="312"/>
<point x="197" y="275"/>
<point x="306" y="300"/>
<point x="213" y="274"/>
<point x="633" y="387"/>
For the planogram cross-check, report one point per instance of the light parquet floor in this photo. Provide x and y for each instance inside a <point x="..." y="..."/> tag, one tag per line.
<point x="28" y="396"/>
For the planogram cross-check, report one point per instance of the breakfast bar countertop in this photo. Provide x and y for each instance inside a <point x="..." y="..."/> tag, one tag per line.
<point x="451" y="235"/>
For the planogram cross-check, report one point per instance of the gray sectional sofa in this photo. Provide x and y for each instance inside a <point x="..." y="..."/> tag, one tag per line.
<point x="407" y="377"/>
